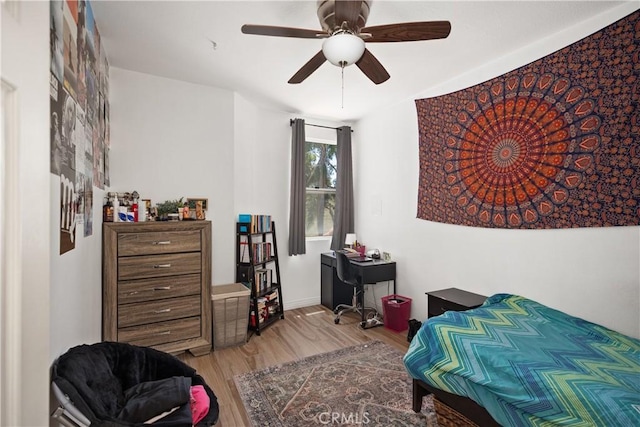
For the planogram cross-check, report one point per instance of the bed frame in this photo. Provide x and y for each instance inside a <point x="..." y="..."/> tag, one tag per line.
<point x="452" y="410"/>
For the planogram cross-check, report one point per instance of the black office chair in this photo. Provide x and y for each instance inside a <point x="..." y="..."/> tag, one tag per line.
<point x="347" y="274"/>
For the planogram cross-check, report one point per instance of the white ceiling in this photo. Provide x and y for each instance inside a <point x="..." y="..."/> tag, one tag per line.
<point x="174" y="39"/>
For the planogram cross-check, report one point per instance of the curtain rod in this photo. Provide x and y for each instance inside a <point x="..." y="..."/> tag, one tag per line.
<point x="311" y="124"/>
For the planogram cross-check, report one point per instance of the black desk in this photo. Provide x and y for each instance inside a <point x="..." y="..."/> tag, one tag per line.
<point x="333" y="292"/>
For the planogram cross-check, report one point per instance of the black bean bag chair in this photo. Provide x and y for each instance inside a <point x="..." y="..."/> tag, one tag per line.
<point x="118" y="384"/>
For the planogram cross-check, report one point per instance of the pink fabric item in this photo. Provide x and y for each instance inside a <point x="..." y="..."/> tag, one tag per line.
<point x="199" y="403"/>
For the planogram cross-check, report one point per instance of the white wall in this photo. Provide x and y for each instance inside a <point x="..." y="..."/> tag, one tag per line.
<point x="76" y="280"/>
<point x="592" y="273"/>
<point x="169" y="139"/>
<point x="261" y="186"/>
<point x="25" y="295"/>
<point x="172" y="139"/>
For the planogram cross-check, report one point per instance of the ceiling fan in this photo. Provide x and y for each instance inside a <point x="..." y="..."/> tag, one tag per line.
<point x="343" y="28"/>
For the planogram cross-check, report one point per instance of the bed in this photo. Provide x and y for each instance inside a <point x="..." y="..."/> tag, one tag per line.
<point x="515" y="362"/>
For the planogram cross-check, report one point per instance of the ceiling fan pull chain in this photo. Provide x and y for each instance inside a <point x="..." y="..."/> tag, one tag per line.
<point x="342" y="71"/>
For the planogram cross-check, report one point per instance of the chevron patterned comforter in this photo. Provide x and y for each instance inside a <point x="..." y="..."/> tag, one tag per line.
<point x="530" y="365"/>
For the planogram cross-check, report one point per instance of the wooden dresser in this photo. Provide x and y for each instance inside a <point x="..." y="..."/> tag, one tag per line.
<point x="156" y="281"/>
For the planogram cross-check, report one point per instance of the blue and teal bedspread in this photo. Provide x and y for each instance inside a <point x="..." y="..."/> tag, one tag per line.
<point x="530" y="365"/>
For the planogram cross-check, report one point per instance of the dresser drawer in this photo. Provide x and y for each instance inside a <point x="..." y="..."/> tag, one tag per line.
<point x="161" y="333"/>
<point x="158" y="288"/>
<point x="438" y="306"/>
<point x="158" y="311"/>
<point x="149" y="243"/>
<point x="141" y="267"/>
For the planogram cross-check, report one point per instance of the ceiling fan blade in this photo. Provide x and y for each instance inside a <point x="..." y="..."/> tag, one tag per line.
<point x="372" y="68"/>
<point x="407" y="31"/>
<point x="347" y="10"/>
<point x="308" y="68"/>
<point x="268" y="30"/>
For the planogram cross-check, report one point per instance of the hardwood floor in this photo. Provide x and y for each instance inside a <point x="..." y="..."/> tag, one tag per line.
<point x="303" y="332"/>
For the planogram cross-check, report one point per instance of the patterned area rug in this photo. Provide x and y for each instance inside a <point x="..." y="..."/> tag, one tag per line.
<point x="365" y="385"/>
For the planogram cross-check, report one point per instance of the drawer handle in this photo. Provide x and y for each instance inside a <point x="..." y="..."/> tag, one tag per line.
<point x="162" y="288"/>
<point x="165" y="310"/>
<point x="164" y="333"/>
<point x="162" y="242"/>
<point x="162" y="266"/>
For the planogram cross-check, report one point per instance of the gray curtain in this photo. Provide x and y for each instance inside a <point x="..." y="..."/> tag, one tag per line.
<point x="298" y="190"/>
<point x="343" y="222"/>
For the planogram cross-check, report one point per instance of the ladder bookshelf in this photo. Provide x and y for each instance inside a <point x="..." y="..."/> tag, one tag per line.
<point x="258" y="268"/>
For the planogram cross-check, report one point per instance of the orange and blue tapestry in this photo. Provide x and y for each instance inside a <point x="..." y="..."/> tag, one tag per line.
<point x="553" y="144"/>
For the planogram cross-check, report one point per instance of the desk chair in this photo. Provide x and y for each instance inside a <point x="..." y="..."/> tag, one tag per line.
<point x="347" y="274"/>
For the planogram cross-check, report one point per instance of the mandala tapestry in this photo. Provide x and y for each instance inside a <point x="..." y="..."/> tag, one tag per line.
<point x="553" y="144"/>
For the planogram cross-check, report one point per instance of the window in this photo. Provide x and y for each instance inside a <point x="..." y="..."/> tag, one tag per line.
<point x="321" y="171"/>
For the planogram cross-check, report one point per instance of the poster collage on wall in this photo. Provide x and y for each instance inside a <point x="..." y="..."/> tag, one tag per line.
<point x="79" y="88"/>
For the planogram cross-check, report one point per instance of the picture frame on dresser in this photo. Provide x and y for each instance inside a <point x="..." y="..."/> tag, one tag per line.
<point x="197" y="208"/>
<point x="193" y="202"/>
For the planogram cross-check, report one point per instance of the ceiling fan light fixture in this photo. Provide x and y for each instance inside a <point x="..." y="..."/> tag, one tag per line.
<point x="343" y="49"/>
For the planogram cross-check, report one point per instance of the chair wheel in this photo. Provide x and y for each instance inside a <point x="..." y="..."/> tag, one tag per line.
<point x="336" y="320"/>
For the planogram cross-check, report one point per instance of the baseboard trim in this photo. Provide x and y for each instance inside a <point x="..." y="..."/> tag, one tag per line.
<point x="306" y="302"/>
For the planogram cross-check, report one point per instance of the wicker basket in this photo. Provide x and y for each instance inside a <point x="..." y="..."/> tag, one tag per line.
<point x="448" y="417"/>
<point x="230" y="314"/>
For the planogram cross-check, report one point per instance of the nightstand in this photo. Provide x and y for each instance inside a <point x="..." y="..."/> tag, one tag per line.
<point x="452" y="299"/>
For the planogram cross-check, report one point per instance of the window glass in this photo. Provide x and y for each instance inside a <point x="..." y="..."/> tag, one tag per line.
<point x="321" y="173"/>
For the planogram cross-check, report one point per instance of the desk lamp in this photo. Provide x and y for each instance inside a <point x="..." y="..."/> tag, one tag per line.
<point x="350" y="240"/>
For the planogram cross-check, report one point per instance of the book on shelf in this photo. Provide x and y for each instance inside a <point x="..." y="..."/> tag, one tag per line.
<point x="266" y="306"/>
<point x="244" y="249"/>
<point x="262" y="280"/>
<point x="268" y="300"/>
<point x="261" y="252"/>
<point x="263" y="314"/>
<point x="257" y="223"/>
<point x="272" y="296"/>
